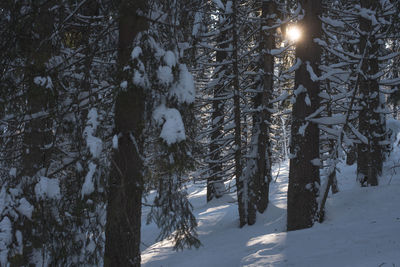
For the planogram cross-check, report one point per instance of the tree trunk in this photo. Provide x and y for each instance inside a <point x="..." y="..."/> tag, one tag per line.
<point x="126" y="180"/>
<point x="304" y="179"/>
<point x="37" y="132"/>
<point x="371" y="122"/>
<point x="37" y="48"/>
<point x="261" y="175"/>
<point x="241" y="187"/>
<point x="264" y="150"/>
<point x="215" y="184"/>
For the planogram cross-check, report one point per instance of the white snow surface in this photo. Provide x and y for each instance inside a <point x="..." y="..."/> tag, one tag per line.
<point x="173" y="130"/>
<point x="362" y="228"/>
<point x="94" y="143"/>
<point x="197" y="23"/>
<point x="136" y="52"/>
<point x="88" y="185"/>
<point x="13" y="172"/>
<point x="124" y="85"/>
<point x="334" y="120"/>
<point x="139" y="79"/>
<point x="184" y="89"/>
<point x="25" y="208"/>
<point x="43" y="81"/>
<point x="164" y="74"/>
<point x="47" y="187"/>
<point x="170" y="59"/>
<point x="115" y="142"/>
<point x="5" y="239"/>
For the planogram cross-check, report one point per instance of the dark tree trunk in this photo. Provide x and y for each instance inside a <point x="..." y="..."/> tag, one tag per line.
<point x="335" y="187"/>
<point x="240" y="186"/>
<point x="260" y="179"/>
<point x="264" y="150"/>
<point x="371" y="122"/>
<point x="351" y="155"/>
<point x="37" y="132"/>
<point x="215" y="184"/>
<point x="126" y="180"/>
<point x="304" y="176"/>
<point x="37" y="49"/>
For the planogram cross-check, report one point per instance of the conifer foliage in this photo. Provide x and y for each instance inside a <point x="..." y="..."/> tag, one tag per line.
<point x="103" y="103"/>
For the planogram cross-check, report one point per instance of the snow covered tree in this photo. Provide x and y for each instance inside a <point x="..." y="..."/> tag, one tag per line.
<point x="126" y="178"/>
<point x="224" y="132"/>
<point x="215" y="179"/>
<point x="304" y="176"/>
<point x="359" y="61"/>
<point x="51" y="66"/>
<point x="372" y="122"/>
<point x="260" y="164"/>
<point x="253" y="25"/>
<point x="26" y="72"/>
<point x="162" y="90"/>
<point x="353" y="76"/>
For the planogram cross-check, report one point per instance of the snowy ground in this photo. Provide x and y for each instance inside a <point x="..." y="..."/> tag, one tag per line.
<point x="362" y="228"/>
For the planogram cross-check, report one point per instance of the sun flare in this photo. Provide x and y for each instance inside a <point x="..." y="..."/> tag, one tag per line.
<point x="293" y="33"/>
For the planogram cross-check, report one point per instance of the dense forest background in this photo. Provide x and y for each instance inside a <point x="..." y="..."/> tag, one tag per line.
<point x="103" y="102"/>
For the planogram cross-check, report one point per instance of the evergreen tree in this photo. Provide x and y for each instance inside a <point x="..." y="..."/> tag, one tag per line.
<point x="125" y="187"/>
<point x="304" y="179"/>
<point x="215" y="185"/>
<point x="372" y="122"/>
<point x="261" y="163"/>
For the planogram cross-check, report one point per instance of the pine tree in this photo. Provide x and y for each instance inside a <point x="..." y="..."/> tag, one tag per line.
<point x="215" y="185"/>
<point x="260" y="146"/>
<point x="126" y="178"/>
<point x="358" y="56"/>
<point x="304" y="176"/>
<point x="372" y="123"/>
<point x="51" y="66"/>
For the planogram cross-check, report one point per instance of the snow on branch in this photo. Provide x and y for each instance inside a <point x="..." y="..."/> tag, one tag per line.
<point x="173" y="130"/>
<point x="184" y="89"/>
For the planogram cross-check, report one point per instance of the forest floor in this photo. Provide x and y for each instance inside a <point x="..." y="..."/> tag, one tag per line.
<point x="362" y="228"/>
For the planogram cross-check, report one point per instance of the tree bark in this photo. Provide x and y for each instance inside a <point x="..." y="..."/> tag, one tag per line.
<point x="264" y="147"/>
<point x="215" y="184"/>
<point x="126" y="180"/>
<point x="371" y="122"/>
<point x="37" y="135"/>
<point x="240" y="185"/>
<point x="304" y="178"/>
<point x="261" y="176"/>
<point x="37" y="132"/>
